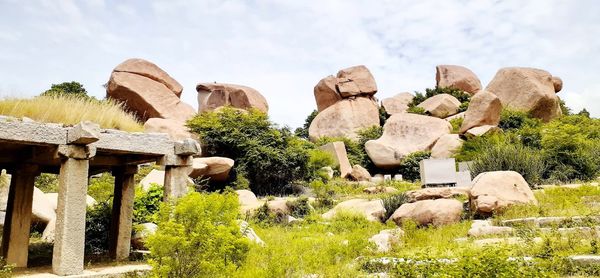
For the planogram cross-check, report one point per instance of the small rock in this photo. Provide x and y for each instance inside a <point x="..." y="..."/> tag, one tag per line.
<point x="385" y="239"/>
<point x="141" y="234"/>
<point x="360" y="174"/>
<point x="441" y="106"/>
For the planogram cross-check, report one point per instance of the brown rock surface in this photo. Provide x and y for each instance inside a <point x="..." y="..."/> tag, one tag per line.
<point x="404" y="134"/>
<point x="527" y="89"/>
<point x="218" y="167"/>
<point x="437" y="212"/>
<point x="326" y="93"/>
<point x="457" y="77"/>
<point x="175" y="128"/>
<point x="344" y="119"/>
<point x="356" y="80"/>
<point x="441" y="106"/>
<point x="495" y="191"/>
<point x="337" y="150"/>
<point x="437" y="193"/>
<point x="398" y="103"/>
<point x="484" y="109"/>
<point x="481" y="131"/>
<point x="152" y="71"/>
<point x="447" y="146"/>
<point x="360" y="174"/>
<point x="215" y="95"/>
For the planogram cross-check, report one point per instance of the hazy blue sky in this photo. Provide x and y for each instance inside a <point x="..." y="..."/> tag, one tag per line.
<point x="283" y="48"/>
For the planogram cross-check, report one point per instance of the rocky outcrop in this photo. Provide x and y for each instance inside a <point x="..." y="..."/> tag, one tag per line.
<point x="147" y="91"/>
<point x="248" y="201"/>
<point x="373" y="210"/>
<point x="398" y="103"/>
<point x="529" y="90"/>
<point x="441" y="106"/>
<point x="447" y="146"/>
<point x="457" y="77"/>
<point x="484" y="109"/>
<point x="326" y="93"/>
<point x="214" y="95"/>
<point x="355" y="81"/>
<point x="360" y="174"/>
<point x="404" y="134"/>
<point x="558" y="83"/>
<point x="337" y="150"/>
<point x="429" y="212"/>
<point x="483" y="130"/>
<point x="344" y="119"/>
<point x="433" y="193"/>
<point x="218" y="168"/>
<point x="494" y="191"/>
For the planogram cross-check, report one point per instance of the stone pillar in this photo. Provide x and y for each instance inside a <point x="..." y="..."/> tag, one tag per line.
<point x="122" y="212"/>
<point x="67" y="258"/>
<point x="176" y="181"/>
<point x="15" y="238"/>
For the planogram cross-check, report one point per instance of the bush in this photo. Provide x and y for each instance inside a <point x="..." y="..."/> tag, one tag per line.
<point x="102" y="187"/>
<point x="147" y="203"/>
<point x="47" y="183"/>
<point x="69" y="89"/>
<point x="5" y="270"/>
<point x="510" y="157"/>
<point x="97" y="227"/>
<point x="410" y="168"/>
<point x="323" y="194"/>
<point x="198" y="237"/>
<point x="299" y="207"/>
<point x="514" y="120"/>
<point x="392" y="203"/>
<point x="302" y="132"/>
<point x="270" y="158"/>
<point x="416" y="110"/>
<point x="456" y="124"/>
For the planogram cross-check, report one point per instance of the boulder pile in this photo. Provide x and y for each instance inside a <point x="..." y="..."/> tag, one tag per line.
<point x="345" y="103"/>
<point x="211" y="96"/>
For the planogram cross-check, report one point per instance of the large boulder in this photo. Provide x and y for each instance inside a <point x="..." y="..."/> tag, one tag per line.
<point x="373" y="210"/>
<point x="337" y="150"/>
<point x="398" y="103"/>
<point x="441" y="106"/>
<point x="359" y="173"/>
<point x="152" y="71"/>
<point x="447" y="146"/>
<point x="53" y="199"/>
<point x="433" y="193"/>
<point x="344" y="119"/>
<point x="218" y="167"/>
<point x="495" y="191"/>
<point x="42" y="210"/>
<point x="326" y="93"/>
<point x="429" y="212"/>
<point x="156" y="177"/>
<point x="354" y="81"/>
<point x="214" y="95"/>
<point x="175" y="128"/>
<point x="404" y="134"/>
<point x="484" y="109"/>
<point x="248" y="201"/>
<point x="457" y="77"/>
<point x="146" y="97"/>
<point x="527" y="89"/>
<point x="558" y="83"/>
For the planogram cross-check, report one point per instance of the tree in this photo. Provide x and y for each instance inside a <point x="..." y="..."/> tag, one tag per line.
<point x="72" y="88"/>
<point x="303" y="131"/>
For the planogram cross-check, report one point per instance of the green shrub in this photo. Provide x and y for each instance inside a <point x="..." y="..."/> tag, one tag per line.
<point x="456" y="124"/>
<point x="147" y="203"/>
<point x="47" y="183"/>
<point x="510" y="157"/>
<point x="356" y="152"/>
<point x="102" y="187"/>
<point x="72" y="88"/>
<point x="270" y="158"/>
<point x="416" y="110"/>
<point x="392" y="203"/>
<point x="299" y="207"/>
<point x="318" y="159"/>
<point x="97" y="227"/>
<point x="198" y="237"/>
<point x="410" y="168"/>
<point x="513" y="120"/>
<point x="5" y="269"/>
<point x="323" y="194"/>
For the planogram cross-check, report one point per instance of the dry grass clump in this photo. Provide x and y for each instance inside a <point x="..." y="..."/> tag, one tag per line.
<point x="70" y="111"/>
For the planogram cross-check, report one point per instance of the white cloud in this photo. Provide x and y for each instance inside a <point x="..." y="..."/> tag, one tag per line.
<point x="283" y="48"/>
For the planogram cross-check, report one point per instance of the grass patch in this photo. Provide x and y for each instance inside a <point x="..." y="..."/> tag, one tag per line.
<point x="71" y="111"/>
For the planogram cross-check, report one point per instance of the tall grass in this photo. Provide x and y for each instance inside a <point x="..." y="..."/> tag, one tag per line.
<point x="70" y="111"/>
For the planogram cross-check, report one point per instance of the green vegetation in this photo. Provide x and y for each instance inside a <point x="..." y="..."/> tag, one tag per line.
<point x="71" y="110"/>
<point x="302" y="132"/>
<point x="357" y="155"/>
<point x="563" y="150"/>
<point x="68" y="89"/>
<point x="147" y="203"/>
<point x="272" y="159"/>
<point x="97" y="227"/>
<point x="409" y="167"/>
<point x="198" y="237"/>
<point x="392" y="203"/>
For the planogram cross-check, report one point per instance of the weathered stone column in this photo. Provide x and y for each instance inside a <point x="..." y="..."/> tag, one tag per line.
<point x="177" y="168"/>
<point x="122" y="212"/>
<point x="67" y="258"/>
<point x="15" y="238"/>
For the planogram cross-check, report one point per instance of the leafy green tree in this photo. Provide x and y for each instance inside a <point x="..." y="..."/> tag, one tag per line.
<point x="410" y="165"/>
<point x="74" y="89"/>
<point x="198" y="236"/>
<point x="271" y="158"/>
<point x="303" y="131"/>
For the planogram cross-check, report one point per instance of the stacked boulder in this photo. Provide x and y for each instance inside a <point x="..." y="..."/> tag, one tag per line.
<point x="457" y="77"/>
<point x="345" y="103"/>
<point x="212" y="96"/>
<point x="152" y="95"/>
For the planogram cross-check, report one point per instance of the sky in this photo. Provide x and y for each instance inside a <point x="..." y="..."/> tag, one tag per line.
<point x="283" y="48"/>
